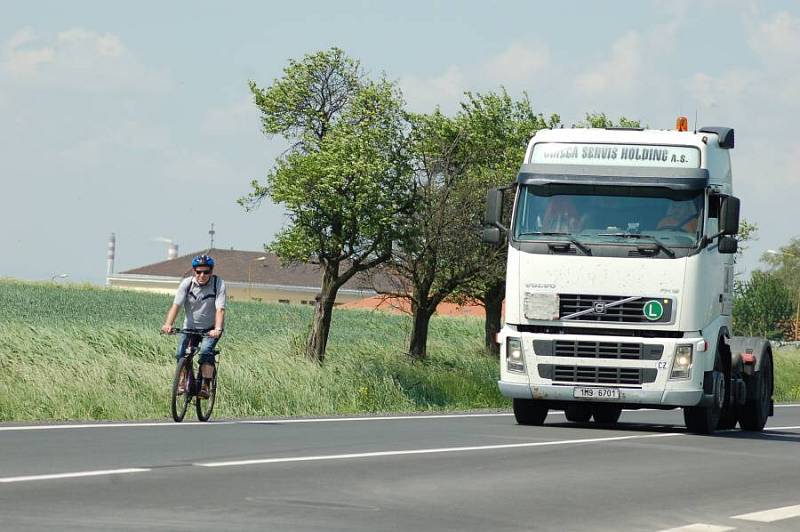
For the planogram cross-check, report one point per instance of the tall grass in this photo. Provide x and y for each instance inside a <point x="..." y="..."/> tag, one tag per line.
<point x="78" y="352"/>
<point x="787" y="374"/>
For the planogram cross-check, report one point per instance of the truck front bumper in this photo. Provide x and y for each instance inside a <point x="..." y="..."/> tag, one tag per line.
<point x="627" y="395"/>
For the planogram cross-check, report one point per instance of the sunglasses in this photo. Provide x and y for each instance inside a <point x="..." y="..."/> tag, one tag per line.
<point x="203" y="272"/>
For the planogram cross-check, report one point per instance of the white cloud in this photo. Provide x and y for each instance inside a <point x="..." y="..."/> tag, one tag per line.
<point x="76" y="58"/>
<point x="107" y="144"/>
<point x="423" y="94"/>
<point x="518" y="62"/>
<point x="199" y="169"/>
<point x="777" y="38"/>
<point x="727" y="90"/>
<point x="19" y="60"/>
<point x="239" y="117"/>
<point x="619" y="72"/>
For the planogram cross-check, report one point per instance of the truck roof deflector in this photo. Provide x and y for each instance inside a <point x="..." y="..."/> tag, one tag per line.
<point x="674" y="178"/>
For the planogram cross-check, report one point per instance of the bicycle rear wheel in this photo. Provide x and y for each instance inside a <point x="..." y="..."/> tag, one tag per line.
<point x="181" y="402"/>
<point x="206" y="406"/>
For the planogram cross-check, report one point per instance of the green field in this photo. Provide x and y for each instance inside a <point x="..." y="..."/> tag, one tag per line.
<point x="77" y="352"/>
<point x="70" y="352"/>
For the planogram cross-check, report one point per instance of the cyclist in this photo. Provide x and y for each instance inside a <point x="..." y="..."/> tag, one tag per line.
<point x="203" y="299"/>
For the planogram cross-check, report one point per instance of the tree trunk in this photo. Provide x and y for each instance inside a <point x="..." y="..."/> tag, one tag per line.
<point x="493" y="303"/>
<point x="421" y="316"/>
<point x="323" y="311"/>
<point x="419" y="333"/>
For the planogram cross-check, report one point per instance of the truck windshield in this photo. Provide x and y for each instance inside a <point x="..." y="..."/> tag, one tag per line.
<point x="610" y="215"/>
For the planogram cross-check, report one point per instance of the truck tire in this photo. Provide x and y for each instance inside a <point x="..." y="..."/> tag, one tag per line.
<point x="578" y="413"/>
<point x="606" y="414"/>
<point x="705" y="419"/>
<point x="753" y="414"/>
<point x="727" y="419"/>
<point x="529" y="412"/>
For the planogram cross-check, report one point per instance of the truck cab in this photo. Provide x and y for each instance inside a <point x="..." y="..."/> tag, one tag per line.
<point x="619" y="281"/>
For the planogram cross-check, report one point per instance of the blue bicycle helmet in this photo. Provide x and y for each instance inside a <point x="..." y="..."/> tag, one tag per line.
<point x="202" y="260"/>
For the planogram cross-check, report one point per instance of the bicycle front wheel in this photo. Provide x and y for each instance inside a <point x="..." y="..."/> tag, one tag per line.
<point x="180" y="401"/>
<point x="205" y="406"/>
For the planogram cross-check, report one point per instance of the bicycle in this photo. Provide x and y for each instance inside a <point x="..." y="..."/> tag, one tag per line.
<point x="191" y="376"/>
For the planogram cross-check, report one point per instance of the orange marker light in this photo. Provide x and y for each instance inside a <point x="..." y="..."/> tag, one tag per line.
<point x="682" y="123"/>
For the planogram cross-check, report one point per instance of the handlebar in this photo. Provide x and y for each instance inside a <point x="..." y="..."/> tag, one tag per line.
<point x="198" y="332"/>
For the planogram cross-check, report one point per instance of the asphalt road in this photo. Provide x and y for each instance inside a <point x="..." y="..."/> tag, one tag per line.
<point x="427" y="473"/>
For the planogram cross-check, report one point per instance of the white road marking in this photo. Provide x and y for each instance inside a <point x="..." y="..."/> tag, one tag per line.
<point x="375" y="418"/>
<point x="429" y="451"/>
<point x="768" y="516"/>
<point x="74" y="475"/>
<point x="245" y="422"/>
<point x="700" y="527"/>
<point x="109" y="425"/>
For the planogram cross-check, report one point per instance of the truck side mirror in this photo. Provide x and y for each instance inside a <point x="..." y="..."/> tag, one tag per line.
<point x="729" y="216"/>
<point x="491" y="235"/>
<point x="494" y="207"/>
<point x="728" y="245"/>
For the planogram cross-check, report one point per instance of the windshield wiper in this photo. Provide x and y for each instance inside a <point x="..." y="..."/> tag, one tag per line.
<point x="660" y="245"/>
<point x="578" y="244"/>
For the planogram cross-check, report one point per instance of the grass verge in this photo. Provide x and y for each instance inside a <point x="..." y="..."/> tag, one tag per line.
<point x="81" y="352"/>
<point x="78" y="352"/>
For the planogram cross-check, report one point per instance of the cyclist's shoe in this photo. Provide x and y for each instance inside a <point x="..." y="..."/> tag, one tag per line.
<point x="204" y="392"/>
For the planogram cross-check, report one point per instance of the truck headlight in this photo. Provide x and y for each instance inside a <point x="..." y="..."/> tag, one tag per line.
<point x="515" y="359"/>
<point x="682" y="363"/>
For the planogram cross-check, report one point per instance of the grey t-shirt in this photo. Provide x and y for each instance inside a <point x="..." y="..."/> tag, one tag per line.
<point x="199" y="303"/>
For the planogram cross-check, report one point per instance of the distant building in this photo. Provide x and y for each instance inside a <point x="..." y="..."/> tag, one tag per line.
<point x="248" y="275"/>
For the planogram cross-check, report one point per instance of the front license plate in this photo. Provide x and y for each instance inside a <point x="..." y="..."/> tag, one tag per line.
<point x="596" y="393"/>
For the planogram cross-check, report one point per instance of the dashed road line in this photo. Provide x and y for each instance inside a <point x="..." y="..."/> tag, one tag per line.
<point x="76" y="474"/>
<point x="699" y="527"/>
<point x="428" y="451"/>
<point x="769" y="516"/>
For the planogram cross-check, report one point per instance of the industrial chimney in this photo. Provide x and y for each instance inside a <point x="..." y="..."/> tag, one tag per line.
<point x="112" y="244"/>
<point x="172" y="251"/>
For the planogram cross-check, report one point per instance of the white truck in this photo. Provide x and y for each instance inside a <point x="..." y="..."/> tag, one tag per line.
<point x="620" y="277"/>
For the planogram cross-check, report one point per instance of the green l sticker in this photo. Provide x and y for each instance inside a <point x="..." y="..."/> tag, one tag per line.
<point x="653" y="310"/>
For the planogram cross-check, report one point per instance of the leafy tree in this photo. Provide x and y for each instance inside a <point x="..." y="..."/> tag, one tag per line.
<point x="760" y="305"/>
<point x="440" y="249"/>
<point x="455" y="160"/>
<point x="344" y="180"/>
<point x="499" y="129"/>
<point x="748" y="232"/>
<point x="600" y="120"/>
<point x="786" y="267"/>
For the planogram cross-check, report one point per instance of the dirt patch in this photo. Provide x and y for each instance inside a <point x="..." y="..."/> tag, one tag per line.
<point x="403" y="306"/>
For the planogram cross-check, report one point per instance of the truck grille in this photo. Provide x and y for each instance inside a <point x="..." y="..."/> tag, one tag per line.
<point x="597" y="375"/>
<point x="588" y="349"/>
<point x="628" y="312"/>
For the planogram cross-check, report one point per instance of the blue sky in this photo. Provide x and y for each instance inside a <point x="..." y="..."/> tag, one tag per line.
<point x="136" y="118"/>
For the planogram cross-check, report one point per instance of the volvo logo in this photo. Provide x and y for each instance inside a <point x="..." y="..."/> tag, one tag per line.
<point x="599" y="307"/>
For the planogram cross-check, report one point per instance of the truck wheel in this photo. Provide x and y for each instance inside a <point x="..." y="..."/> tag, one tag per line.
<point x="529" y="412"/>
<point x="607" y="414"/>
<point x="727" y="419"/>
<point x="753" y="415"/>
<point x="578" y="413"/>
<point x="705" y="419"/>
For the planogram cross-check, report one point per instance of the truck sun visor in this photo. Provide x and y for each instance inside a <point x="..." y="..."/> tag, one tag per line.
<point x="673" y="178"/>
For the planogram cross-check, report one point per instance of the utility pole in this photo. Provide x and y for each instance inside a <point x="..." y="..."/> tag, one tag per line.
<point x="211" y="232"/>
